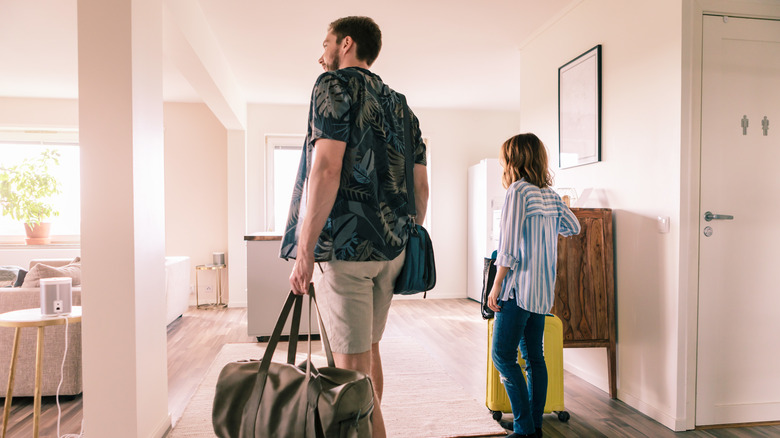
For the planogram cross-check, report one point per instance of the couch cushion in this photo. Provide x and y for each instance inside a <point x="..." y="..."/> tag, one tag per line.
<point x="20" y="278"/>
<point x="54" y="262"/>
<point x="41" y="270"/>
<point x="8" y="275"/>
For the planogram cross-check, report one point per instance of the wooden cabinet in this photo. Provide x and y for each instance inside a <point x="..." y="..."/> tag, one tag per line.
<point x="585" y="287"/>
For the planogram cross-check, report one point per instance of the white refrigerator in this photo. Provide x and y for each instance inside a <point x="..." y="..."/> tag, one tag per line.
<point x="486" y="198"/>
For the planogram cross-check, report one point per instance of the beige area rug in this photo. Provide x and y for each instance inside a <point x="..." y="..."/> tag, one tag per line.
<point x="420" y="399"/>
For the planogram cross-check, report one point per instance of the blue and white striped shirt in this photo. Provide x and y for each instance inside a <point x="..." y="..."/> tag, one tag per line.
<point x="531" y="220"/>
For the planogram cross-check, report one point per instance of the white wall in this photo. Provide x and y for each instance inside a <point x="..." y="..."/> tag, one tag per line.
<point x="457" y="140"/>
<point x="39" y="113"/>
<point x="195" y="187"/>
<point x="638" y="178"/>
<point x="195" y="177"/>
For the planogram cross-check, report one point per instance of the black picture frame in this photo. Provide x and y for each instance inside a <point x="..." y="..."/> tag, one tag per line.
<point x="579" y="110"/>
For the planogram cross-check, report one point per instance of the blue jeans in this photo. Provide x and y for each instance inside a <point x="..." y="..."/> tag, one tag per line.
<point x="515" y="327"/>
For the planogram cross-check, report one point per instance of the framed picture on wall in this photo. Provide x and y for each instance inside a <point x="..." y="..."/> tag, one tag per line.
<point x="579" y="110"/>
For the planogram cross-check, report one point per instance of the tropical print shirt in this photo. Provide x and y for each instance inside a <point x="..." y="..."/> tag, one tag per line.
<point x="369" y="219"/>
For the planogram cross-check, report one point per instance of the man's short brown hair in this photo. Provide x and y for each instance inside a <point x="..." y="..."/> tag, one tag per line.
<point x="364" y="32"/>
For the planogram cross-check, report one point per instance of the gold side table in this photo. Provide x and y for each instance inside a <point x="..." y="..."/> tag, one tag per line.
<point x="219" y="303"/>
<point x="31" y="318"/>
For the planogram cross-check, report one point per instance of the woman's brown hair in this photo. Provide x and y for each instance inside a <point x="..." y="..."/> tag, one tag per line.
<point x="524" y="156"/>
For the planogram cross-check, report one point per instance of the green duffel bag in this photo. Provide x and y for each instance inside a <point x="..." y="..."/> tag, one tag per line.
<point x="281" y="400"/>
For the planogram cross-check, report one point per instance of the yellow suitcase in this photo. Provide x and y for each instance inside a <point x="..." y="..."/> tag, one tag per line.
<point x="496" y="399"/>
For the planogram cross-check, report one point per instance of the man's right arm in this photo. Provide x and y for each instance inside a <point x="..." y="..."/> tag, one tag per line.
<point x="324" y="183"/>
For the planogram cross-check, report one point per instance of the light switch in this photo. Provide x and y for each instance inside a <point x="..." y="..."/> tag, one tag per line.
<point x="663" y="224"/>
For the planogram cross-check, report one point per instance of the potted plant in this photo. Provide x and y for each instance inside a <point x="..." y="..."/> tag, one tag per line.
<point x="25" y="194"/>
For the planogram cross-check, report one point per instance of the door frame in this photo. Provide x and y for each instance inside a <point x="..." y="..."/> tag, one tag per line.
<point x="690" y="174"/>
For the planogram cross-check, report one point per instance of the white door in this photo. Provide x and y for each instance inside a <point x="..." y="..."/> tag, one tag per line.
<point x="738" y="363"/>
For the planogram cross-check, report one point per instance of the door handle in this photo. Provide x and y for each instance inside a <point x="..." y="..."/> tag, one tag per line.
<point x="710" y="216"/>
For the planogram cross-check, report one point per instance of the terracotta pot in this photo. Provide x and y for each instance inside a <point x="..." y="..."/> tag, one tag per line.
<point x="38" y="234"/>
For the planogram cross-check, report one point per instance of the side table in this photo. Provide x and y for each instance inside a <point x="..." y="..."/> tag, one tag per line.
<point x="219" y="303"/>
<point x="31" y="318"/>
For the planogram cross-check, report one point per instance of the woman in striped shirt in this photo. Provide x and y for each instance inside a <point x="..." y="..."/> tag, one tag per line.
<point x="531" y="220"/>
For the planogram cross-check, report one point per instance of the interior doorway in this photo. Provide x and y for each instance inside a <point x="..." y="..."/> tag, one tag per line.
<point x="738" y="350"/>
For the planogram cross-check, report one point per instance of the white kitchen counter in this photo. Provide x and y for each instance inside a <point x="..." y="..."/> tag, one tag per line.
<point x="268" y="286"/>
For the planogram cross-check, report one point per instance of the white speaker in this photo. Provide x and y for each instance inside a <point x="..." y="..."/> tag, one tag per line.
<point x="218" y="258"/>
<point x="56" y="296"/>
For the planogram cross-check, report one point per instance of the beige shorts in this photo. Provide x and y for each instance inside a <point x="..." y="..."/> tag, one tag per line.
<point x="354" y="300"/>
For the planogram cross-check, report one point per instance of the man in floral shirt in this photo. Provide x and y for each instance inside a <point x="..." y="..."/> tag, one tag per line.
<point x="349" y="207"/>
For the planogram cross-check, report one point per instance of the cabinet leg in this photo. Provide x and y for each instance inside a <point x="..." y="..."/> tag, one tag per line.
<point x="612" y="365"/>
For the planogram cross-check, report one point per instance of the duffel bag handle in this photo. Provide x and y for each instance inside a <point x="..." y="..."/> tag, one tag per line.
<point x="253" y="403"/>
<point x="323" y="334"/>
<point x="249" y="418"/>
<point x="292" y="350"/>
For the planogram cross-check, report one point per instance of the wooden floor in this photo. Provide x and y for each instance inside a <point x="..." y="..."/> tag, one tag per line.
<point x="453" y="333"/>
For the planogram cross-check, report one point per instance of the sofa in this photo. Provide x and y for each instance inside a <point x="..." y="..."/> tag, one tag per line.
<point x="18" y="298"/>
<point x="177" y="289"/>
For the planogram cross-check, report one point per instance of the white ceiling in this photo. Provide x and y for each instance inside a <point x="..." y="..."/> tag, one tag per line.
<point x="440" y="53"/>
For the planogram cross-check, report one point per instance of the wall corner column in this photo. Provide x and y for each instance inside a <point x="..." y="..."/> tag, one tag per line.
<point x="124" y="343"/>
<point x="237" y="216"/>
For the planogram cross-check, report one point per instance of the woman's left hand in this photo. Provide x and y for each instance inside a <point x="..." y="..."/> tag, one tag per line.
<point x="493" y="299"/>
<point x="495" y="291"/>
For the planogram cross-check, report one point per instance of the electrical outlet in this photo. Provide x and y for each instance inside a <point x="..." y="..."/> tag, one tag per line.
<point x="208" y="288"/>
<point x="58" y="305"/>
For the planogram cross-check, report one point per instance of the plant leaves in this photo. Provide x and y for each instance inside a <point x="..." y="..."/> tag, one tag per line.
<point x="26" y="189"/>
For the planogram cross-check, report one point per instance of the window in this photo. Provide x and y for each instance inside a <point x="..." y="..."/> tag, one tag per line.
<point x="283" y="157"/>
<point x="16" y="146"/>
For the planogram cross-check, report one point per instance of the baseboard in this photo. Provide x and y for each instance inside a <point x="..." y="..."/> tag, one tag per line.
<point x="652" y="412"/>
<point x="681" y="425"/>
<point x="601" y="383"/>
<point x="164" y="428"/>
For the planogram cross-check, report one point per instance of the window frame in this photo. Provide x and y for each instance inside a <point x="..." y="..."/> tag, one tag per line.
<point x="68" y="137"/>
<point x="273" y="142"/>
